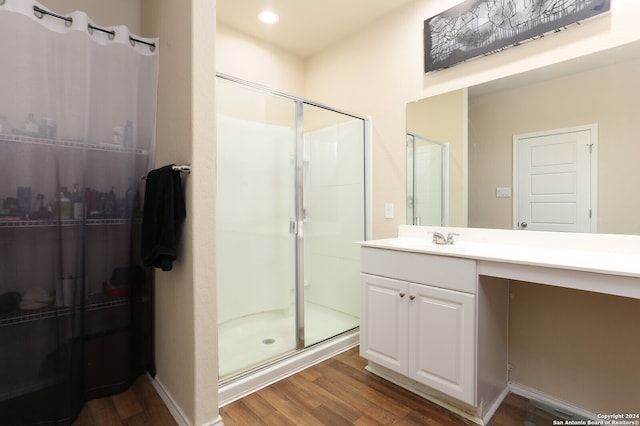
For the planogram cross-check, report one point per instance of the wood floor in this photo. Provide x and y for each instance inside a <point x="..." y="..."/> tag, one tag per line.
<point x="340" y="392"/>
<point x="138" y="405"/>
<point x="335" y="392"/>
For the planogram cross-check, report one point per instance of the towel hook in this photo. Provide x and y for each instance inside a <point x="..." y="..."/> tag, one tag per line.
<point x="183" y="168"/>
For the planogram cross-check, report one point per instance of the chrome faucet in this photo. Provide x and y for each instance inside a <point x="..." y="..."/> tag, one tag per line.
<point x="439" y="238"/>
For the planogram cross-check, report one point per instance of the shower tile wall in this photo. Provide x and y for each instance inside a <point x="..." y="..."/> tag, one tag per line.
<point x="255" y="181"/>
<point x="335" y="189"/>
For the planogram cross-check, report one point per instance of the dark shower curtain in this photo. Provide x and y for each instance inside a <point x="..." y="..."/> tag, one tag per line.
<point x="77" y="120"/>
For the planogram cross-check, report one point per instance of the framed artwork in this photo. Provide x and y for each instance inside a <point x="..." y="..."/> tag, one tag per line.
<point x="480" y="27"/>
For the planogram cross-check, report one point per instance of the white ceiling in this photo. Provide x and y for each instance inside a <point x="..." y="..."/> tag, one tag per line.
<point x="306" y="26"/>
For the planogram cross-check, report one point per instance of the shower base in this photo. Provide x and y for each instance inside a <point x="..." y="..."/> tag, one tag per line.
<point x="259" y="349"/>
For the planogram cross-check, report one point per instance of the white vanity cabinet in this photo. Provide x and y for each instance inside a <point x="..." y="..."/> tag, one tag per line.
<point x="418" y="318"/>
<point x="435" y="318"/>
<point x="384" y="322"/>
<point x="442" y="340"/>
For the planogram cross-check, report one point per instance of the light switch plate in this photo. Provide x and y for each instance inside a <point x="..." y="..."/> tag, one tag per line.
<point x="503" y="192"/>
<point x="388" y="210"/>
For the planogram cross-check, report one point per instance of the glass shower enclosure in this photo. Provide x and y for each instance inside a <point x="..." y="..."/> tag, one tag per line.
<point x="290" y="207"/>
<point x="427" y="181"/>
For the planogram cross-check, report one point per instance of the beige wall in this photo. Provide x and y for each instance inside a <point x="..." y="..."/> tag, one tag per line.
<point x="578" y="346"/>
<point x="174" y="304"/>
<point x="258" y="62"/>
<point x="186" y="334"/>
<point x="607" y="97"/>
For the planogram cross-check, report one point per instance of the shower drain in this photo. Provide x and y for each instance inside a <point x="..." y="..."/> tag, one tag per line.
<point x="268" y="341"/>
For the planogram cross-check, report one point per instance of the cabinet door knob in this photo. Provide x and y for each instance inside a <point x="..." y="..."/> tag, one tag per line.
<point x="412" y="297"/>
<point x="401" y="294"/>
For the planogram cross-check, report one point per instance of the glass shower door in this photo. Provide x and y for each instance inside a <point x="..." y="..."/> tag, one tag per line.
<point x="255" y="247"/>
<point x="427" y="181"/>
<point x="333" y="218"/>
<point x="290" y="209"/>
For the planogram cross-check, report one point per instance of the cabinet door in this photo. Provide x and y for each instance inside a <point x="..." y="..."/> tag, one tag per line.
<point x="442" y="340"/>
<point x="383" y="322"/>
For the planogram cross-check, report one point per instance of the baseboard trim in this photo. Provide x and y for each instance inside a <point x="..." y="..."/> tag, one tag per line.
<point x="536" y="395"/>
<point x="235" y="390"/>
<point x="494" y="407"/>
<point x="178" y="415"/>
<point x="174" y="408"/>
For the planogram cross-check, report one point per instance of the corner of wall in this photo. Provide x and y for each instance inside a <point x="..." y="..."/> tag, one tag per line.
<point x="186" y="351"/>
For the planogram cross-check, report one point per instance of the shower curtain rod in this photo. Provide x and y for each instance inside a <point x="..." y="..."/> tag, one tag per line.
<point x="40" y="12"/>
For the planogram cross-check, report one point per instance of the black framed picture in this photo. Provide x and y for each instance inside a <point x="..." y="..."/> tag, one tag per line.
<point x="480" y="27"/>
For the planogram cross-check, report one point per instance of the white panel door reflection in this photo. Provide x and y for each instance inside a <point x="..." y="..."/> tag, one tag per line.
<point x="555" y="180"/>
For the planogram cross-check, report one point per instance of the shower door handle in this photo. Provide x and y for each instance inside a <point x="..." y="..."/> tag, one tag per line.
<point x="293" y="227"/>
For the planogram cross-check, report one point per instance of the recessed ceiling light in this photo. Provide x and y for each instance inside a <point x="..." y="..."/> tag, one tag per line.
<point x="268" y="17"/>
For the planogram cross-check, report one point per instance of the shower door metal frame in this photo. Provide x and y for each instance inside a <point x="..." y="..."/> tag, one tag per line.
<point x="297" y="225"/>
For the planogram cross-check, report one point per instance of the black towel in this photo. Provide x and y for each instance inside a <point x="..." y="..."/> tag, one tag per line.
<point x="163" y="212"/>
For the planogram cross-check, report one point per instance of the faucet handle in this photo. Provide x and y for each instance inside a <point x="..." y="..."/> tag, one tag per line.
<point x="450" y="236"/>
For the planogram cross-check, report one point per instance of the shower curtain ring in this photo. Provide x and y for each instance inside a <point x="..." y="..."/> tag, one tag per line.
<point x="39" y="13"/>
<point x="110" y="33"/>
<point x="133" y="41"/>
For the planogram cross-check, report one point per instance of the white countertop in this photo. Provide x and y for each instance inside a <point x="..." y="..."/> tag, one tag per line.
<point x="597" y="253"/>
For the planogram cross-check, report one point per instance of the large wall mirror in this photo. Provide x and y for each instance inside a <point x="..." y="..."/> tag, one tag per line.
<point x="489" y="122"/>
